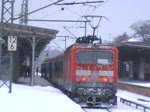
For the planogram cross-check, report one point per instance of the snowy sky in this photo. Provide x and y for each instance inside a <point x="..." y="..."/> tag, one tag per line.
<point x="121" y="14"/>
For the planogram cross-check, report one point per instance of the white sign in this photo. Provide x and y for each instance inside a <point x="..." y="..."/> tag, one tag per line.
<point x="12" y="43"/>
<point x="102" y="61"/>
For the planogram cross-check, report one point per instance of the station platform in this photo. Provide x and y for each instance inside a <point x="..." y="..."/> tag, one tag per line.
<point x="39" y="81"/>
<point x="135" y="82"/>
<point x="139" y="87"/>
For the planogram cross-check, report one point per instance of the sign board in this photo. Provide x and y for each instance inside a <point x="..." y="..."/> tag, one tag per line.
<point x="12" y="43"/>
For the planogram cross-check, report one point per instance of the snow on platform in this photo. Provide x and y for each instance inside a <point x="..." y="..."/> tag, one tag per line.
<point x="137" y="83"/>
<point x="38" y="81"/>
<point x="38" y="98"/>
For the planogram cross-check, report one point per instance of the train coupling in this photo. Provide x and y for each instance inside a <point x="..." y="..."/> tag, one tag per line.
<point x="92" y="101"/>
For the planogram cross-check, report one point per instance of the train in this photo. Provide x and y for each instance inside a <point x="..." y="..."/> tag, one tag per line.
<point x="87" y="72"/>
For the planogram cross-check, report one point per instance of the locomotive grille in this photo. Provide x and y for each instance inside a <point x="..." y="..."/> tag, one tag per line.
<point x="106" y="73"/>
<point x="94" y="84"/>
<point x="94" y="76"/>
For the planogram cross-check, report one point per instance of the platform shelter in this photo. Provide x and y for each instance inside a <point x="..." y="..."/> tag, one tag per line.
<point x="134" y="60"/>
<point x="29" y="39"/>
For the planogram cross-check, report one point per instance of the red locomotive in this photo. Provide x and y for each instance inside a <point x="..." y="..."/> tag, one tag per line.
<point x="87" y="72"/>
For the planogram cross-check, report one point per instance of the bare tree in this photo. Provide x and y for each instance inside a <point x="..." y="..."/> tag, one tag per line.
<point x="117" y="40"/>
<point x="141" y="29"/>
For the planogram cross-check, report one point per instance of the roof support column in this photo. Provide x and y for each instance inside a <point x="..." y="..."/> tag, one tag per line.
<point x="33" y="60"/>
<point x="141" y="69"/>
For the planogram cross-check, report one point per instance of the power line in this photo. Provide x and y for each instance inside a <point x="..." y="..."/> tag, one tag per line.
<point x="59" y="20"/>
<point x="74" y="3"/>
<point x="58" y="45"/>
<point x="70" y="32"/>
<point x="73" y="12"/>
<point x="39" y="9"/>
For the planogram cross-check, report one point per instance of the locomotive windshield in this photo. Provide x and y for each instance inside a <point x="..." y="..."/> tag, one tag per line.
<point x="95" y="57"/>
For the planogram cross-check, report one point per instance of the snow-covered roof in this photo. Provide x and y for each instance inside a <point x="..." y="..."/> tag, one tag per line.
<point x="135" y="39"/>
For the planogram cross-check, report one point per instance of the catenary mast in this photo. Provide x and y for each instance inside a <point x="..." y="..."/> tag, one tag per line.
<point x="24" y="11"/>
<point x="7" y="15"/>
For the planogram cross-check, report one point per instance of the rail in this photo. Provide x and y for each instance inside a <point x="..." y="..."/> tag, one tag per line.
<point x="129" y="102"/>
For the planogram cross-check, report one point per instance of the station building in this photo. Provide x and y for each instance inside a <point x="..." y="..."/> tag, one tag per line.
<point x="134" y="60"/>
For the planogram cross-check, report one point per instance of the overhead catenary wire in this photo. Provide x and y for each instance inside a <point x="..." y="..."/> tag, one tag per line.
<point x="38" y="9"/>
<point x="75" y="12"/>
<point x="50" y="14"/>
<point x="80" y="15"/>
<point x="58" y="45"/>
<point x="70" y="32"/>
<point x="85" y="14"/>
<point x="70" y="11"/>
<point x="74" y="3"/>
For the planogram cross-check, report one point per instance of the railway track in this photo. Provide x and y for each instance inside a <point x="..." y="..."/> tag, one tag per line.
<point x="130" y="102"/>
<point x="127" y="102"/>
<point x="96" y="110"/>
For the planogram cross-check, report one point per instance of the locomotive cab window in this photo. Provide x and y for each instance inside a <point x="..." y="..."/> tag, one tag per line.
<point x="95" y="57"/>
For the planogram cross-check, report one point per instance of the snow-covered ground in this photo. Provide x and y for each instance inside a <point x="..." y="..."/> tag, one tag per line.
<point x="45" y="98"/>
<point x="35" y="99"/>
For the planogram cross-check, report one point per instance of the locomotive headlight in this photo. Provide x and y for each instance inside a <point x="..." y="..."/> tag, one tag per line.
<point x="104" y="79"/>
<point x="83" y="79"/>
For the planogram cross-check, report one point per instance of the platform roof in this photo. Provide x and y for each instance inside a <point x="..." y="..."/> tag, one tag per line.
<point x="26" y="32"/>
<point x="133" y="50"/>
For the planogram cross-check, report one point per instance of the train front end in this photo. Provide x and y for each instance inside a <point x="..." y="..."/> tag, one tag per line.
<point x="96" y="75"/>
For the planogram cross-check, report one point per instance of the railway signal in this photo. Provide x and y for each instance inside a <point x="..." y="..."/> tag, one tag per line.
<point x="46" y="56"/>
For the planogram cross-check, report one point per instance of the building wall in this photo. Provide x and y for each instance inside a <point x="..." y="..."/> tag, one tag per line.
<point x="137" y="68"/>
